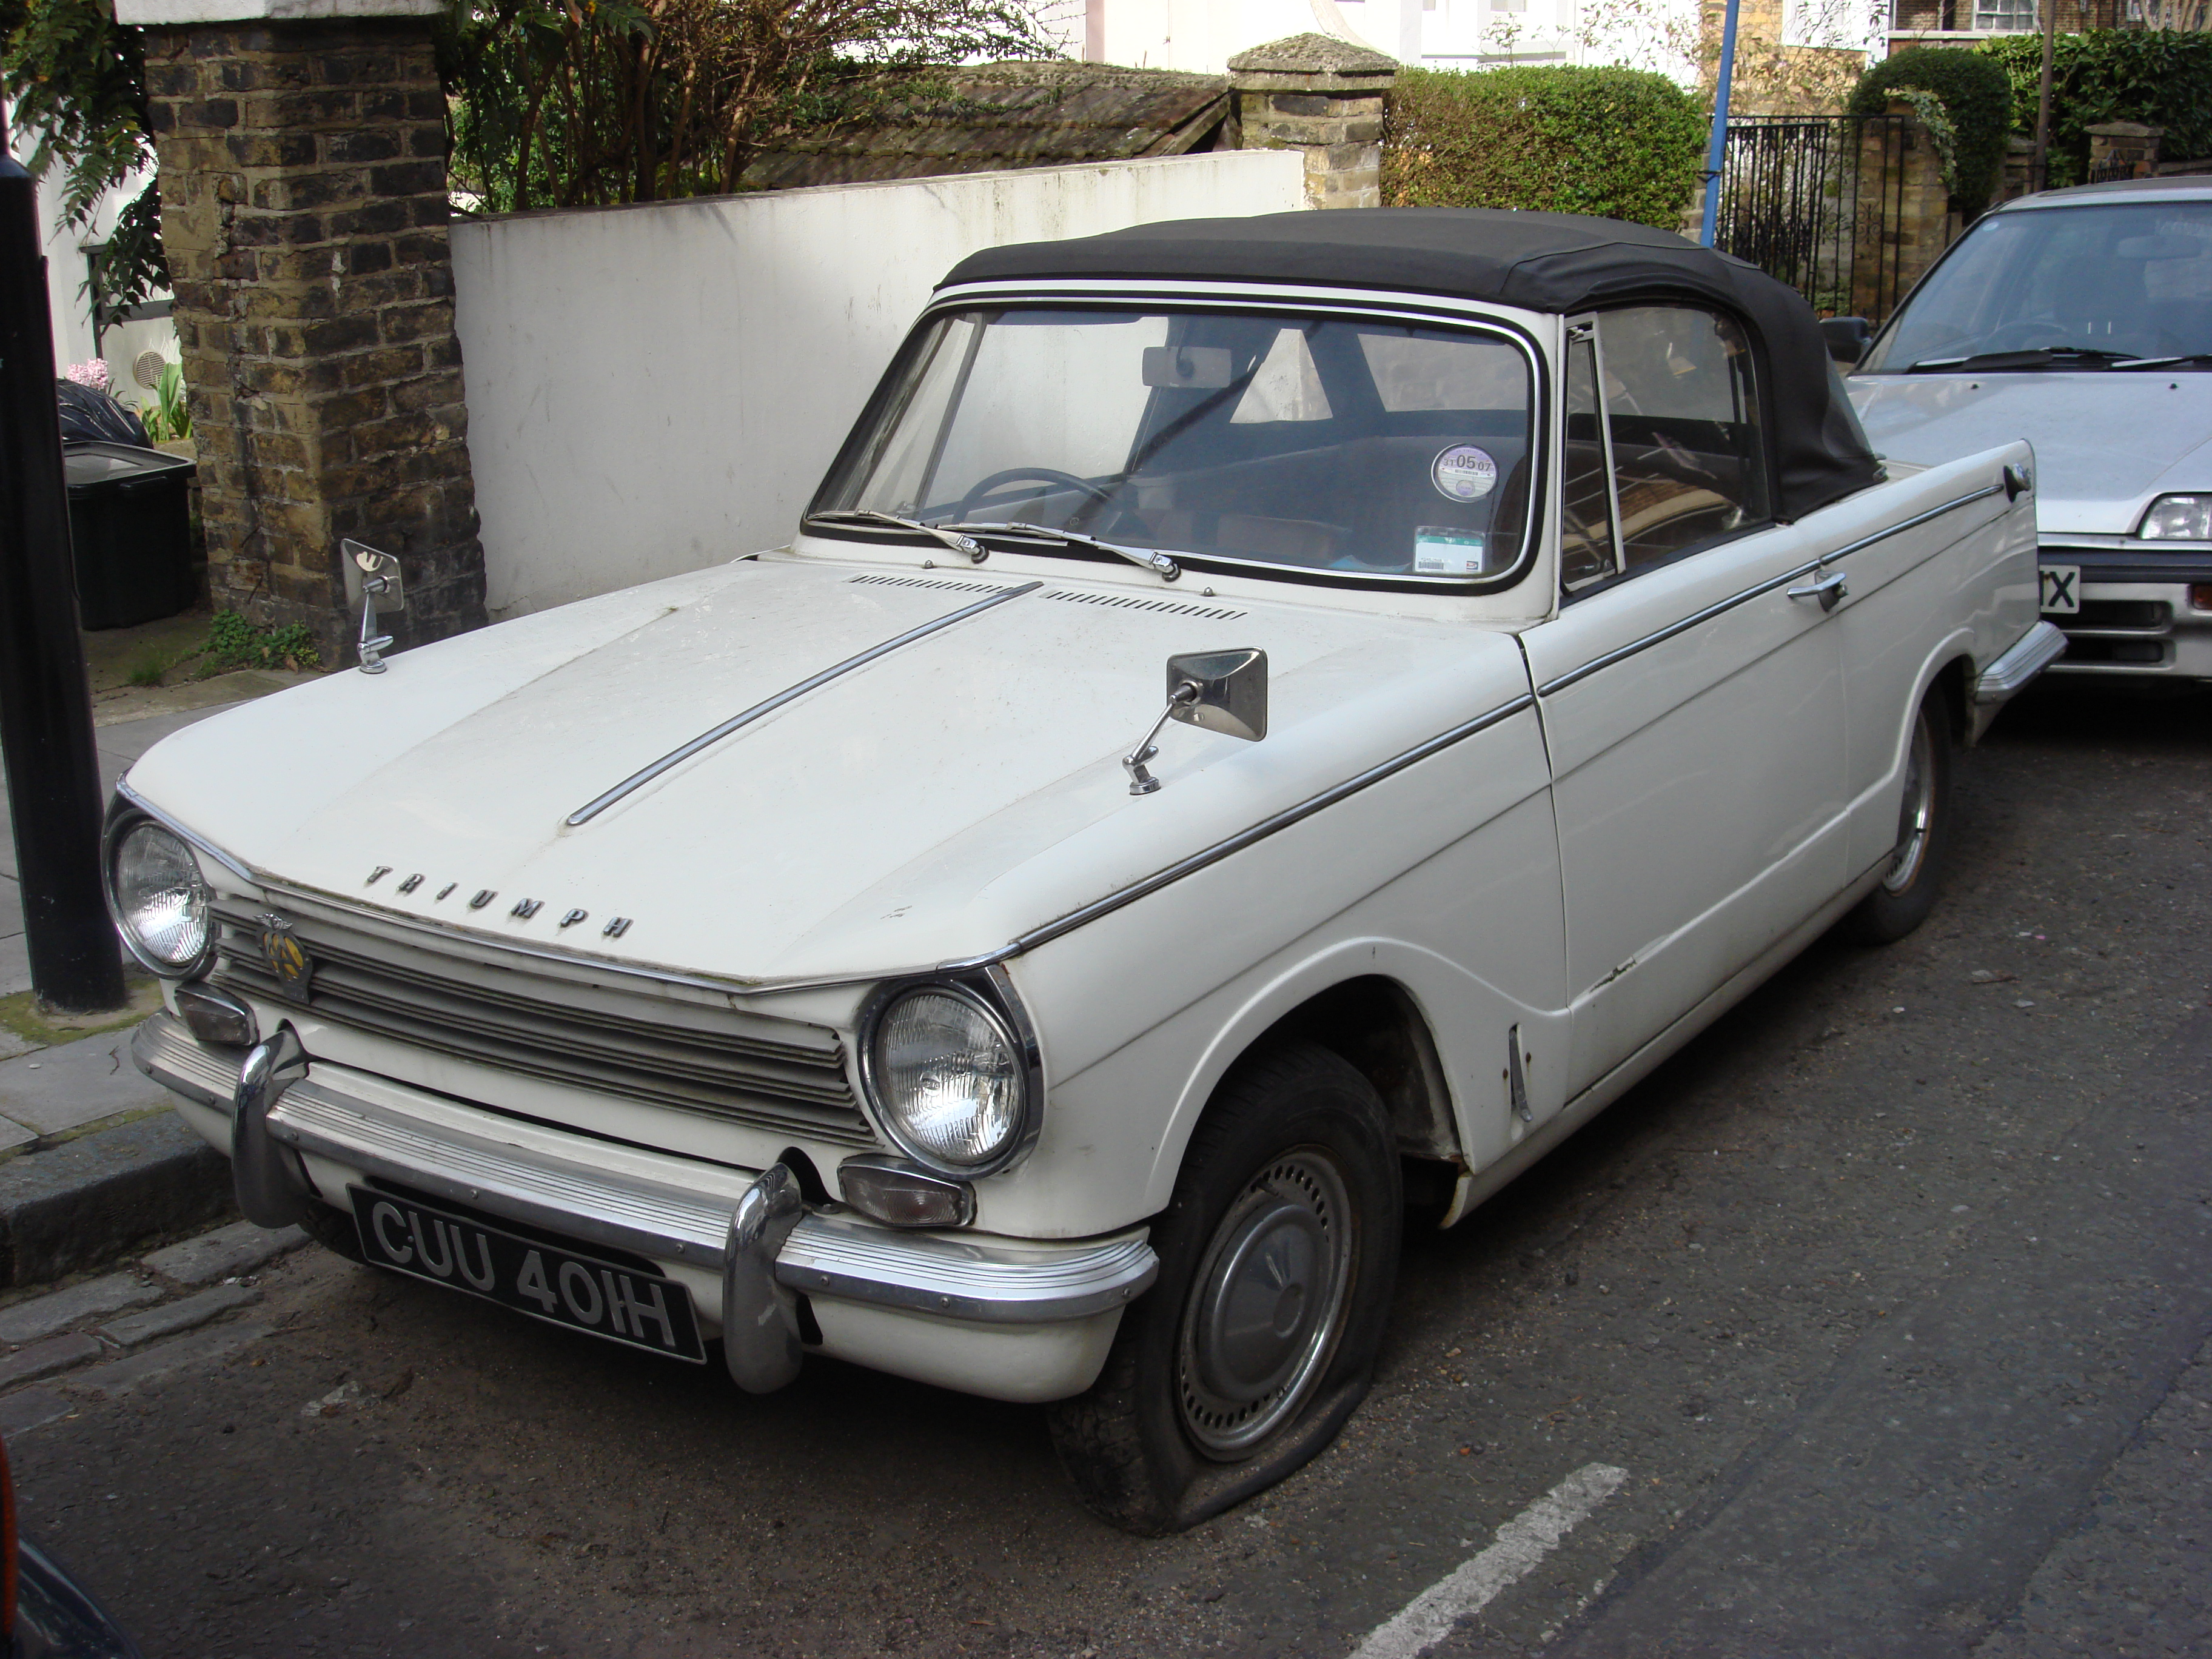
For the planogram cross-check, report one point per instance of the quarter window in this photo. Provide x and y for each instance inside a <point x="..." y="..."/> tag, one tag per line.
<point x="1688" y="454"/>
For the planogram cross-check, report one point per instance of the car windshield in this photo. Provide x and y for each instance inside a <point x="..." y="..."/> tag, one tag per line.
<point x="2062" y="288"/>
<point x="1367" y="449"/>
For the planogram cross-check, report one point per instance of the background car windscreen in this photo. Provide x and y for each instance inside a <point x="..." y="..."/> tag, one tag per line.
<point x="1310" y="441"/>
<point x="2133" y="280"/>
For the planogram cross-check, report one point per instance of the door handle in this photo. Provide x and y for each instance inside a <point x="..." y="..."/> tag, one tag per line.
<point x="1829" y="590"/>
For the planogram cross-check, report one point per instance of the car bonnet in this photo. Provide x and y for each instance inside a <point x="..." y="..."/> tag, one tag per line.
<point x="929" y="805"/>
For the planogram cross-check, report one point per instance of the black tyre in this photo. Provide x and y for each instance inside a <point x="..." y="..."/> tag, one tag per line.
<point x="331" y="1228"/>
<point x="1278" y="1256"/>
<point x="1908" y="887"/>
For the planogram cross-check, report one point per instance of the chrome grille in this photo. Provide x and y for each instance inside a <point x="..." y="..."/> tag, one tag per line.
<point x="746" y="1068"/>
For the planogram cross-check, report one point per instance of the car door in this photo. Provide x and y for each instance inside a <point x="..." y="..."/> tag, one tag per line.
<point x="1690" y="685"/>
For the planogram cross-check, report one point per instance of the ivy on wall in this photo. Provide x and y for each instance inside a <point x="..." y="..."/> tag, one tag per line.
<point x="1620" y="144"/>
<point x="2161" y="78"/>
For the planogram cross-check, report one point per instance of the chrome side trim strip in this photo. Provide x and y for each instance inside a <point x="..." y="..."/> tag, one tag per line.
<point x="165" y="1050"/>
<point x="638" y="780"/>
<point x="1243" y="838"/>
<point x="2028" y="656"/>
<point x="836" y="1255"/>
<point x="1720" y="607"/>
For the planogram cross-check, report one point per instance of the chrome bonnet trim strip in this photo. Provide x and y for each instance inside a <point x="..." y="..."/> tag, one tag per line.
<point x="1243" y="838"/>
<point x="1720" y="607"/>
<point x="996" y="1282"/>
<point x="674" y="758"/>
<point x="191" y="836"/>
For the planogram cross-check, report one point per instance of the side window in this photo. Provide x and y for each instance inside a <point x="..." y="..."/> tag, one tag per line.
<point x="1586" y="546"/>
<point x="1689" y="455"/>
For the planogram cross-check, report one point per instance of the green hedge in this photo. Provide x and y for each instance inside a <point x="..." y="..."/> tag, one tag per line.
<point x="2162" y="77"/>
<point x="1979" y="102"/>
<point x="1620" y="144"/>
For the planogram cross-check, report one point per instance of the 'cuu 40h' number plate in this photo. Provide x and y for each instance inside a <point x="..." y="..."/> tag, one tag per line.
<point x="620" y="1304"/>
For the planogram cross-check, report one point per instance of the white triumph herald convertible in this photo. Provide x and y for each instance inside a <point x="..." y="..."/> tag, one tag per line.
<point x="1268" y="723"/>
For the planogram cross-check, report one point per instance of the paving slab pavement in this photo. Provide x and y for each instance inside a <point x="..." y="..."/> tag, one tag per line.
<point x="52" y="1090"/>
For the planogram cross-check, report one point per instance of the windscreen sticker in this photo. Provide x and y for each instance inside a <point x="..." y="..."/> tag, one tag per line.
<point x="1448" y="552"/>
<point x="1463" y="473"/>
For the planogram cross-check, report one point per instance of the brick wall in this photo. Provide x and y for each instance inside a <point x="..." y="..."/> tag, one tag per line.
<point x="1325" y="97"/>
<point x="304" y="213"/>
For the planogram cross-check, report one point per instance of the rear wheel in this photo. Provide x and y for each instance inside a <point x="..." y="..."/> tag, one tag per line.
<point x="1907" y="890"/>
<point x="1277" y="1254"/>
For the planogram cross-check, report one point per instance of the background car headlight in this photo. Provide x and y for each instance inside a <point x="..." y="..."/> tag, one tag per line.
<point x="2179" y="519"/>
<point x="160" y="899"/>
<point x="948" y="1078"/>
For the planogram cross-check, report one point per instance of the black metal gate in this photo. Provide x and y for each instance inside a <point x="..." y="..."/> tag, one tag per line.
<point x="1817" y="201"/>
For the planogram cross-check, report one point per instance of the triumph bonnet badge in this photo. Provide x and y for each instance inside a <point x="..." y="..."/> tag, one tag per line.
<point x="286" y="958"/>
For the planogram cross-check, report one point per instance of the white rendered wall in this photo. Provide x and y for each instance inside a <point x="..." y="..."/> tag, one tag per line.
<point x="1203" y="35"/>
<point x="658" y="388"/>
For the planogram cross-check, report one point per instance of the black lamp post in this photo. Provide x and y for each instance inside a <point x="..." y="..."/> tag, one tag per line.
<point x="45" y="705"/>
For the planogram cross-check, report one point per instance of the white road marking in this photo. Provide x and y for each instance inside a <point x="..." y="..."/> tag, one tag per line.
<point x="1523" y="1542"/>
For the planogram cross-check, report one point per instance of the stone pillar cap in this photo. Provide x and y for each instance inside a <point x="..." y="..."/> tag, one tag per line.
<point x="2124" y="129"/>
<point x="166" y="14"/>
<point x="1318" y="55"/>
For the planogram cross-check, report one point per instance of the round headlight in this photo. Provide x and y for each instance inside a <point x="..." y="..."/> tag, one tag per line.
<point x="948" y="1079"/>
<point x="161" y="900"/>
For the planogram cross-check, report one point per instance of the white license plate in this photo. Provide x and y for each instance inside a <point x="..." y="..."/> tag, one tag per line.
<point x="2062" y="589"/>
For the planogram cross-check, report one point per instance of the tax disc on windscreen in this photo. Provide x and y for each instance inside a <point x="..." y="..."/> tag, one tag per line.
<point x="1464" y="473"/>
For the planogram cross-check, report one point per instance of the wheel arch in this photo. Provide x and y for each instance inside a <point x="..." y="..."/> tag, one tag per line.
<point x="1363" y="1002"/>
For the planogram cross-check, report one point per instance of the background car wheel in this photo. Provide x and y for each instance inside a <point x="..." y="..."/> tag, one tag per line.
<point x="1907" y="890"/>
<point x="1277" y="1254"/>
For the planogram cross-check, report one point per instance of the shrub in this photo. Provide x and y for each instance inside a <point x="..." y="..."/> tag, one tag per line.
<point x="2162" y="77"/>
<point x="1978" y="103"/>
<point x="1617" y="142"/>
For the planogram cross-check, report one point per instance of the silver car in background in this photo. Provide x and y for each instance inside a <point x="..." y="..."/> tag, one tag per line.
<point x="2082" y="320"/>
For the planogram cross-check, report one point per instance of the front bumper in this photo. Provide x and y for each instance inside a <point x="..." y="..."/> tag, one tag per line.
<point x="1006" y="1318"/>
<point x="2138" y="618"/>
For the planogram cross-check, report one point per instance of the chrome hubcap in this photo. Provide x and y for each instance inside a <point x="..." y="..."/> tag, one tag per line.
<point x="1917" y="812"/>
<point x="1262" y="1321"/>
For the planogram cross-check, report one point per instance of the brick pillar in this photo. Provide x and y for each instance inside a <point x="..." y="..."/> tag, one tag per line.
<point x="1325" y="96"/>
<point x="304" y="212"/>
<point x="1904" y="218"/>
<point x="2123" y="149"/>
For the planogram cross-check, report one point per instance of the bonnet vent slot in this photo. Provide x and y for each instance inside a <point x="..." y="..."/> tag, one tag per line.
<point x="934" y="581"/>
<point x="1130" y="602"/>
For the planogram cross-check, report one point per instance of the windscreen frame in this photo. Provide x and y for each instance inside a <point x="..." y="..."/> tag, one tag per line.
<point x="1397" y="310"/>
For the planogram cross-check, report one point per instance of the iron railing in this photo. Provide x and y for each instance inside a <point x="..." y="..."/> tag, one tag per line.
<point x="1817" y="202"/>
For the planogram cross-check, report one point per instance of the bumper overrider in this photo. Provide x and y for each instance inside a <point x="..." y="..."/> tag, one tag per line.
<point x="1009" y="1319"/>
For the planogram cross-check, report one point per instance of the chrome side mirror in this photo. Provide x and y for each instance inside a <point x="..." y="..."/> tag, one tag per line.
<point x="1223" y="691"/>
<point x="372" y="580"/>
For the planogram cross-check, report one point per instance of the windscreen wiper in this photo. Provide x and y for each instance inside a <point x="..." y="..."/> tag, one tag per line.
<point x="966" y="546"/>
<point x="1152" y="560"/>
<point x="2033" y="357"/>
<point x="2167" y="363"/>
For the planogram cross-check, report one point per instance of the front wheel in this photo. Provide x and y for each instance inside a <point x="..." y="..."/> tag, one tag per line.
<point x="1277" y="1254"/>
<point x="1907" y="890"/>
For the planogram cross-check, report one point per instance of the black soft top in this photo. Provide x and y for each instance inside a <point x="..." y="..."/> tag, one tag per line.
<point x="1554" y="262"/>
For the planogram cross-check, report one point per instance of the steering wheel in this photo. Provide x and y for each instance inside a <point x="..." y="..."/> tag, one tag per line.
<point x="986" y="487"/>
